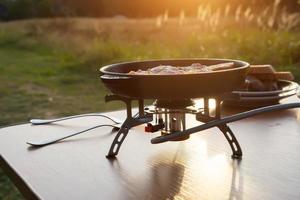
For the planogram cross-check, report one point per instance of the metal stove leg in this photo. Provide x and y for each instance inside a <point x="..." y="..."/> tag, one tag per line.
<point x="122" y="133"/>
<point x="234" y="144"/>
<point x="131" y="121"/>
<point x="115" y="146"/>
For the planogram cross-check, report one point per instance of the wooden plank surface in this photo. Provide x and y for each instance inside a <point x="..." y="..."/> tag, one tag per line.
<point x="198" y="168"/>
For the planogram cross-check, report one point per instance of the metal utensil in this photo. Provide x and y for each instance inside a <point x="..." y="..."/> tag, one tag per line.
<point x="51" y="141"/>
<point x="49" y="121"/>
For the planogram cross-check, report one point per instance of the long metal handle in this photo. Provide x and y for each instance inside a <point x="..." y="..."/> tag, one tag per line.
<point x="114" y="77"/>
<point x="51" y="141"/>
<point x="224" y="120"/>
<point x="49" y="121"/>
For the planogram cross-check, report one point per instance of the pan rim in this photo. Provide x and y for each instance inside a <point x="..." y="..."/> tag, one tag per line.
<point x="103" y="69"/>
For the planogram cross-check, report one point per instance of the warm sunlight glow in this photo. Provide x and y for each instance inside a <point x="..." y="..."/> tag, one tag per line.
<point x="206" y="169"/>
<point x="199" y="103"/>
<point x="216" y="167"/>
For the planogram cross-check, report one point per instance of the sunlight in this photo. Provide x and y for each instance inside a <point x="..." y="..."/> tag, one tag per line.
<point x="215" y="167"/>
<point x="199" y="103"/>
<point x="208" y="173"/>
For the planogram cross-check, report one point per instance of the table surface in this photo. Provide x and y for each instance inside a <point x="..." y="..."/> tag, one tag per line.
<point x="198" y="168"/>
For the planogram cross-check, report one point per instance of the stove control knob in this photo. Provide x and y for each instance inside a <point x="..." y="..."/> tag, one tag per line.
<point x="153" y="128"/>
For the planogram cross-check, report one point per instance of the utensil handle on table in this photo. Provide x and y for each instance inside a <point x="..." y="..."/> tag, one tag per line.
<point x="48" y="121"/>
<point x="51" y="141"/>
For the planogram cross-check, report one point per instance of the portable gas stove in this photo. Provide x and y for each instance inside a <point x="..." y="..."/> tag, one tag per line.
<point x="169" y="118"/>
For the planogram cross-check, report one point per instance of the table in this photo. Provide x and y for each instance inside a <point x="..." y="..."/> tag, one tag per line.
<point x="198" y="168"/>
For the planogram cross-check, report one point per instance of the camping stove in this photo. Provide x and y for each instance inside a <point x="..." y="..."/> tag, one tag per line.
<point x="169" y="117"/>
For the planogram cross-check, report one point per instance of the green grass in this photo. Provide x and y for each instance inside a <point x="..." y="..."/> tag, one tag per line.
<point x="49" y="68"/>
<point x="7" y="189"/>
<point x="41" y="82"/>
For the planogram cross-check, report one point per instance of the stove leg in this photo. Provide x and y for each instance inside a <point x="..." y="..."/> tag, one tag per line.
<point x="115" y="146"/>
<point x="234" y="144"/>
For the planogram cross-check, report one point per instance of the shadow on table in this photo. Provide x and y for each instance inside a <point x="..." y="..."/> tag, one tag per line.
<point x="165" y="180"/>
<point x="163" y="183"/>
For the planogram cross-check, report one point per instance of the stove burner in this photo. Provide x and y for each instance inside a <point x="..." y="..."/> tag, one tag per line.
<point x="173" y="120"/>
<point x="172" y="114"/>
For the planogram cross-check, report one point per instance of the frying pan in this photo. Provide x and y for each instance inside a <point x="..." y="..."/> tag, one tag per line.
<point x="172" y="87"/>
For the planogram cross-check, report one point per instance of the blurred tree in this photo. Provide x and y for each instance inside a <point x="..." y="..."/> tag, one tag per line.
<point x="20" y="9"/>
<point x="15" y="9"/>
<point x="3" y="12"/>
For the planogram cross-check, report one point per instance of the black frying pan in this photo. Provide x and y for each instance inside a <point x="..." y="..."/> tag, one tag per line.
<point x="172" y="87"/>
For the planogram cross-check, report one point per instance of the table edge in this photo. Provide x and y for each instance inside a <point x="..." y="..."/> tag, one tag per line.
<point x="24" y="189"/>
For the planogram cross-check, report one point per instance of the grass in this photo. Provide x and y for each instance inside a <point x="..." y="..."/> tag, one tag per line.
<point x="49" y="68"/>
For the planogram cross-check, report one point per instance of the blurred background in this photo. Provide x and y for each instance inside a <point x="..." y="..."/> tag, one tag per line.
<point x="51" y="50"/>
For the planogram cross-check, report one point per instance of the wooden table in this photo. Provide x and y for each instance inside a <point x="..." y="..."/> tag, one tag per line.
<point x="198" y="168"/>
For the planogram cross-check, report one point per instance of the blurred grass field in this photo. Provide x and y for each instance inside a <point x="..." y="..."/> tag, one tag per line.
<point x="50" y="67"/>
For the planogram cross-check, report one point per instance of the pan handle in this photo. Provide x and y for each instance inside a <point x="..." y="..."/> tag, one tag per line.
<point x="113" y="77"/>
